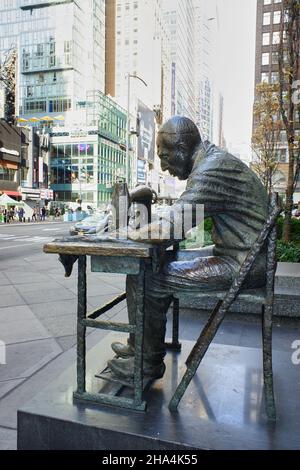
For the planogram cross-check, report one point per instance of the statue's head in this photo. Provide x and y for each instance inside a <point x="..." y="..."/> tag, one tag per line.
<point x="176" y="142"/>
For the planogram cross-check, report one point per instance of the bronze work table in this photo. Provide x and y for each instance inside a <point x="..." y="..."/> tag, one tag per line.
<point x="119" y="256"/>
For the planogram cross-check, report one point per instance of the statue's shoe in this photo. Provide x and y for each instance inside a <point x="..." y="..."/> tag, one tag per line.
<point x="124" y="369"/>
<point x="122" y="350"/>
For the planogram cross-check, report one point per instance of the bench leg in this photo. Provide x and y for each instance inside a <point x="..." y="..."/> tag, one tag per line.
<point x="267" y="319"/>
<point x="198" y="352"/>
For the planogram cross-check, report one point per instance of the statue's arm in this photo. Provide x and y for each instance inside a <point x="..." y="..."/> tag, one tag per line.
<point x="196" y="203"/>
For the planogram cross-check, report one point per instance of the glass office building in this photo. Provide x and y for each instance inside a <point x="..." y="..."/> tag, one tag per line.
<point x="61" y="51"/>
<point x="85" y="163"/>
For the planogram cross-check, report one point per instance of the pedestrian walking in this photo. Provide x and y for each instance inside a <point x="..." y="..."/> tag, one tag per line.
<point x="11" y="215"/>
<point x="33" y="218"/>
<point x="43" y="214"/>
<point x="21" y="214"/>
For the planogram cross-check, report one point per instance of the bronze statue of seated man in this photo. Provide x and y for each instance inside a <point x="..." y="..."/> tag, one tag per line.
<point x="237" y="202"/>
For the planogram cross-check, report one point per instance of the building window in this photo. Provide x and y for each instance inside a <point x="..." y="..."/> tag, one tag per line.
<point x="266" y="39"/>
<point x="68" y="60"/>
<point x="276" y="37"/>
<point x="29" y="92"/>
<point x="283" y="137"/>
<point x="274" y="77"/>
<point x="267" y="18"/>
<point x="35" y="107"/>
<point x="39" y="50"/>
<point x="265" y="77"/>
<point x="267" y="2"/>
<point x="277" y="17"/>
<point x="6" y="174"/>
<point x="52" y="47"/>
<point x="67" y="46"/>
<point x="274" y="58"/>
<point x="25" y="64"/>
<point x="265" y="58"/>
<point x="52" y="61"/>
<point x="59" y="105"/>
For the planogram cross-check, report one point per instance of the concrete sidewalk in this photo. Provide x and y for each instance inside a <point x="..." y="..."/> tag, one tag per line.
<point x="38" y="326"/>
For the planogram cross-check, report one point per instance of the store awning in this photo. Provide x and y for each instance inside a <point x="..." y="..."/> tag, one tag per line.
<point x="10" y="165"/>
<point x="6" y="201"/>
<point x="13" y="193"/>
<point x="9" y="151"/>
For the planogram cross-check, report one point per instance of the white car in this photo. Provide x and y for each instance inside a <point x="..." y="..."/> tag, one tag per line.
<point x="96" y="223"/>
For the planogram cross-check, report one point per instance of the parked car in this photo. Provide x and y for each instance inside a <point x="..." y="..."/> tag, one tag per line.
<point x="96" y="223"/>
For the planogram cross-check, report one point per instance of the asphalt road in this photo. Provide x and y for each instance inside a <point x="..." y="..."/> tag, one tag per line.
<point x="25" y="239"/>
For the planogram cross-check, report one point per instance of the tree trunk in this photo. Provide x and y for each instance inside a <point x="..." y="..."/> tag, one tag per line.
<point x="289" y="196"/>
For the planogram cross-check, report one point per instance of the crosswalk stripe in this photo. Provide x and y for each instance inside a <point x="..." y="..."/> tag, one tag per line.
<point x="26" y="238"/>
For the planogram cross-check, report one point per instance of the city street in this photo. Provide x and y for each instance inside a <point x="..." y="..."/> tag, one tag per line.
<point x="22" y="240"/>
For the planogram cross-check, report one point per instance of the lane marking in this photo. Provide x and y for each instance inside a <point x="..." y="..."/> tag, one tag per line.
<point x="16" y="246"/>
<point x="35" y="240"/>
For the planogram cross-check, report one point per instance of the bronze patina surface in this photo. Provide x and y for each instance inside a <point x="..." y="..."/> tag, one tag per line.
<point x="236" y="201"/>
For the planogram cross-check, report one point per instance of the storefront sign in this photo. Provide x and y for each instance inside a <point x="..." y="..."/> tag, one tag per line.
<point x="146" y="139"/>
<point x="47" y="194"/>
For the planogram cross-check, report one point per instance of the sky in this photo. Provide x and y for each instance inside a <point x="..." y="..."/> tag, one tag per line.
<point x="236" y="68"/>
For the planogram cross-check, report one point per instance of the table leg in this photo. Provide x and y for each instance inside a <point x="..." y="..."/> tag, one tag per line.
<point x="81" y="329"/>
<point x="139" y="337"/>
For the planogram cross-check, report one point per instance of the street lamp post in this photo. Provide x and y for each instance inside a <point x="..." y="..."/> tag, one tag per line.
<point x="129" y="76"/>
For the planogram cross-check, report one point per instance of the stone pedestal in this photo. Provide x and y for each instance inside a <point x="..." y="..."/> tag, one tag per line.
<point x="223" y="407"/>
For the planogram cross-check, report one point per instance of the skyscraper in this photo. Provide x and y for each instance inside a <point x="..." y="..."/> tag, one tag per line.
<point x="141" y="49"/>
<point x="60" y="52"/>
<point x="206" y="93"/>
<point x="180" y="18"/>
